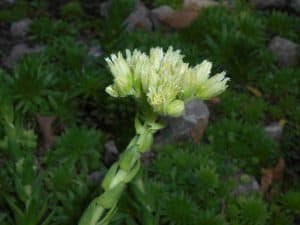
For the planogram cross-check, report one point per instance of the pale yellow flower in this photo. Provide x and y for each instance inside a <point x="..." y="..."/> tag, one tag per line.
<point x="123" y="80"/>
<point x="213" y="86"/>
<point x="163" y="79"/>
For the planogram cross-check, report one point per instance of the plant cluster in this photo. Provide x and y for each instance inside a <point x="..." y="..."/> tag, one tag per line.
<point x="48" y="190"/>
<point x="193" y="186"/>
<point x="229" y="38"/>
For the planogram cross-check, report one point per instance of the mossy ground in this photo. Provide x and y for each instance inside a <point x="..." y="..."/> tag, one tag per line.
<point x="186" y="183"/>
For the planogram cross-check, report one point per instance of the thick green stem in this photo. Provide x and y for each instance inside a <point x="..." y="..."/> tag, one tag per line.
<point x="120" y="173"/>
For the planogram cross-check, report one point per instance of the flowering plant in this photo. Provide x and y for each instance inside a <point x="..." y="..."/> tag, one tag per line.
<point x="160" y="82"/>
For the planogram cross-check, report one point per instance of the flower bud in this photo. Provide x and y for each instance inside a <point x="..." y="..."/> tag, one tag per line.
<point x="145" y="141"/>
<point x="175" y="108"/>
<point x="123" y="85"/>
<point x="213" y="86"/>
<point x="111" y="91"/>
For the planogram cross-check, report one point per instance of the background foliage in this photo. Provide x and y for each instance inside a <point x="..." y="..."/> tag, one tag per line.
<point x="185" y="184"/>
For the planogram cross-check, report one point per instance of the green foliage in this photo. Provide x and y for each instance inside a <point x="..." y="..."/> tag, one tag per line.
<point x="72" y="11"/>
<point x="247" y="144"/>
<point x="184" y="184"/>
<point x="79" y="148"/>
<point x="246" y="211"/>
<point x="32" y="85"/>
<point x="253" y="211"/>
<point x="290" y="144"/>
<point x="282" y="88"/>
<point x="179" y="209"/>
<point x="30" y="205"/>
<point x="291" y="201"/>
<point x="231" y="49"/>
<point x="141" y="203"/>
<point x="46" y="29"/>
<point x="14" y="13"/>
<point x="90" y="82"/>
<point x="145" y="41"/>
<point x="25" y="195"/>
<point x="279" y="216"/>
<point x="175" y="4"/>
<point x="71" y="203"/>
<point x="281" y="83"/>
<point x="208" y="178"/>
<point x="229" y="39"/>
<point x="282" y="24"/>
<point x="111" y="31"/>
<point x="200" y="173"/>
<point x="189" y="168"/>
<point x="242" y="106"/>
<point x="209" y="218"/>
<point x="68" y="54"/>
<point x="16" y="142"/>
<point x="215" y="19"/>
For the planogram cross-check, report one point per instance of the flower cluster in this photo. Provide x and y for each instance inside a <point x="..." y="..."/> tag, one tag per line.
<point x="163" y="78"/>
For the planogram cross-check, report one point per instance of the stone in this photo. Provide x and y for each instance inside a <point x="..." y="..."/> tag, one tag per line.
<point x="6" y="2"/>
<point x="20" y="29"/>
<point x="139" y="18"/>
<point x="18" y="51"/>
<point x="162" y="12"/>
<point x="274" y="131"/>
<point x="199" y="4"/>
<point x="95" y="51"/>
<point x="111" y="153"/>
<point x="6" y="42"/>
<point x="147" y="158"/>
<point x="158" y="15"/>
<point x="265" y="4"/>
<point x="181" y="19"/>
<point x="47" y="132"/>
<point x="295" y="5"/>
<point x="188" y="127"/>
<point x="271" y="175"/>
<point x="95" y="177"/>
<point x="105" y="8"/>
<point x="91" y="7"/>
<point x="246" y="184"/>
<point x="285" y="51"/>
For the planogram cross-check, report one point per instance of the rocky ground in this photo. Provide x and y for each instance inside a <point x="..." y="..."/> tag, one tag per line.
<point x="230" y="160"/>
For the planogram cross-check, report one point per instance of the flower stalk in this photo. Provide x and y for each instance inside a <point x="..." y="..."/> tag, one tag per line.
<point x="160" y="82"/>
<point x="120" y="173"/>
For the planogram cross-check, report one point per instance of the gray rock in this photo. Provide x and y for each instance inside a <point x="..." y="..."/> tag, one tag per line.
<point x="264" y="4"/>
<point x="190" y="126"/>
<point x="285" y="51"/>
<point x="139" y="18"/>
<point x="147" y="157"/>
<point x="91" y="7"/>
<point x="105" y="7"/>
<point x="7" y="2"/>
<point x="295" y="5"/>
<point x="96" y="177"/>
<point x="158" y="15"/>
<point x="274" y="131"/>
<point x="162" y="12"/>
<point x="246" y="184"/>
<point x="20" y="29"/>
<point x="111" y="153"/>
<point x="95" y="51"/>
<point x="199" y="4"/>
<point x="18" y="51"/>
